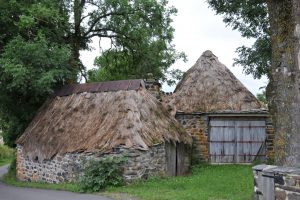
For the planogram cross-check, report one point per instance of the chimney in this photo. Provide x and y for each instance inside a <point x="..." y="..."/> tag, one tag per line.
<point x="153" y="86"/>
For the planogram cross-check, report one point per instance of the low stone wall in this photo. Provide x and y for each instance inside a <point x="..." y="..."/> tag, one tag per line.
<point x="279" y="183"/>
<point x="197" y="126"/>
<point x="67" y="168"/>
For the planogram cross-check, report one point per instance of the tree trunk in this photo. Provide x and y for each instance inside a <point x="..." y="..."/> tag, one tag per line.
<point x="283" y="89"/>
<point x="77" y="37"/>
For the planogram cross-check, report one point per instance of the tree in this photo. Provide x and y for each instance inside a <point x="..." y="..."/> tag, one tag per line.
<point x="262" y="97"/>
<point x="251" y="19"/>
<point x="34" y="60"/>
<point x="140" y="33"/>
<point x="283" y="89"/>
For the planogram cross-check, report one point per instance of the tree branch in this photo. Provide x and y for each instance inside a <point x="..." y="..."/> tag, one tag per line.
<point x="100" y="17"/>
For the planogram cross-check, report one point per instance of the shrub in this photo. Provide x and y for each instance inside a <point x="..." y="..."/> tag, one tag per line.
<point x="99" y="174"/>
<point x="6" y="152"/>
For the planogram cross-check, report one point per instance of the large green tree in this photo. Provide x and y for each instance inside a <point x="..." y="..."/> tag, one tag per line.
<point x="41" y="40"/>
<point x="140" y="33"/>
<point x="34" y="60"/>
<point x="251" y="19"/>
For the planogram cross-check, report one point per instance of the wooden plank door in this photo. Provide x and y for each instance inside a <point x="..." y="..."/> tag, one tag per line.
<point x="170" y="159"/>
<point x="236" y="140"/>
<point x="222" y="146"/>
<point x="183" y="161"/>
<point x="250" y="140"/>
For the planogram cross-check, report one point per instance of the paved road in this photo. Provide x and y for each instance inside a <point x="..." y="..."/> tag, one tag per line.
<point x="15" y="193"/>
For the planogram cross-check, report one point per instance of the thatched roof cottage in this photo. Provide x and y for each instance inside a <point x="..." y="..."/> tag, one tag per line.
<point x="89" y="121"/>
<point x="228" y="123"/>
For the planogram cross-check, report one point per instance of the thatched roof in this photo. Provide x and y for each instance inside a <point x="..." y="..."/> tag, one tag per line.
<point x="100" y="121"/>
<point x="210" y="86"/>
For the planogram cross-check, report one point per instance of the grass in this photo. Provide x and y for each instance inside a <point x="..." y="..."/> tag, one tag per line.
<point x="63" y="186"/>
<point x="230" y="182"/>
<point x="5" y="161"/>
<point x="219" y="182"/>
<point x="6" y="155"/>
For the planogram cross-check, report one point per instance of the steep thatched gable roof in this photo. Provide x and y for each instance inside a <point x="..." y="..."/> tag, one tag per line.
<point x="99" y="121"/>
<point x="210" y="86"/>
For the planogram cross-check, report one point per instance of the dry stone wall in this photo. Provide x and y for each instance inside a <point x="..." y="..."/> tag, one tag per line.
<point x="197" y="126"/>
<point x="67" y="168"/>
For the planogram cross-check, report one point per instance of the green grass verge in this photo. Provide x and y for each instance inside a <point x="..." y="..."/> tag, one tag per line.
<point x="5" y="161"/>
<point x="219" y="182"/>
<point x="64" y="186"/>
<point x="230" y="182"/>
<point x="6" y="155"/>
<point x="11" y="180"/>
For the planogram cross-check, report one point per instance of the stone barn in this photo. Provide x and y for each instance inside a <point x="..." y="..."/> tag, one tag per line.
<point x="96" y="120"/>
<point x="227" y="122"/>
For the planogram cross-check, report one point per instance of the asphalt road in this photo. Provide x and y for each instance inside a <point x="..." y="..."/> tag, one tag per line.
<point x="16" y="193"/>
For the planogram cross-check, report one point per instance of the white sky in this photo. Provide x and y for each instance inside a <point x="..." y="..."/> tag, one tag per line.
<point x="198" y="29"/>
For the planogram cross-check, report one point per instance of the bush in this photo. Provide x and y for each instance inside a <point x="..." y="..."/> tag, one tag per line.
<point x="99" y="174"/>
<point x="6" y="152"/>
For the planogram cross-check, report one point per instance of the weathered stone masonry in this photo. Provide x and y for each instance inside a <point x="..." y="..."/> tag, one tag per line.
<point x="66" y="168"/>
<point x="196" y="124"/>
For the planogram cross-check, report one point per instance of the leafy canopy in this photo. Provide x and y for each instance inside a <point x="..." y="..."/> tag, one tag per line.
<point x="250" y="18"/>
<point x="34" y="60"/>
<point x="142" y="42"/>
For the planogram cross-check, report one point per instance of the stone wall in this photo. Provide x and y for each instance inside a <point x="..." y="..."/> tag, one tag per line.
<point x="279" y="183"/>
<point x="66" y="168"/>
<point x="197" y="126"/>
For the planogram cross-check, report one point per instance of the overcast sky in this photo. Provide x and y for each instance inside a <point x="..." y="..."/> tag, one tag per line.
<point x="198" y="29"/>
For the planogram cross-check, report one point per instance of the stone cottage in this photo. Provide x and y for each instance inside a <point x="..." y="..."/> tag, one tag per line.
<point x="96" y="120"/>
<point x="227" y="122"/>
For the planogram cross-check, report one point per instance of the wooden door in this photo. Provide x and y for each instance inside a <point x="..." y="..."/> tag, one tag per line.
<point x="236" y="140"/>
<point x="178" y="159"/>
<point x="170" y="159"/>
<point x="183" y="159"/>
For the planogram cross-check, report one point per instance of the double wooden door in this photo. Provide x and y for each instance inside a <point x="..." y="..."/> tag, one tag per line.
<point x="236" y="140"/>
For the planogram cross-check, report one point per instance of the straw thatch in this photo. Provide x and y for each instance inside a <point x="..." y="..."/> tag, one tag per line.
<point x="98" y="122"/>
<point x="210" y="86"/>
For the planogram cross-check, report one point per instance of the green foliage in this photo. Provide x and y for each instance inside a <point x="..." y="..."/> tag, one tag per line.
<point x="98" y="174"/>
<point x="251" y="19"/>
<point x="206" y="182"/>
<point x="12" y="168"/>
<point x="29" y="71"/>
<point x="262" y="97"/>
<point x="6" y="152"/>
<point x="141" y="44"/>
